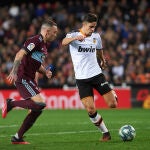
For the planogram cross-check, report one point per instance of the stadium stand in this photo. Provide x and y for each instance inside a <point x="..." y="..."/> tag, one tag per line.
<point x="124" y="27"/>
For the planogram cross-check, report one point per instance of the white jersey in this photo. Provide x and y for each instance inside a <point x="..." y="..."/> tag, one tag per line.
<point x="83" y="55"/>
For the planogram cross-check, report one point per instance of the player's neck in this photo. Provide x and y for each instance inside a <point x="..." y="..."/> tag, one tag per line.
<point x="43" y="37"/>
<point x="83" y="32"/>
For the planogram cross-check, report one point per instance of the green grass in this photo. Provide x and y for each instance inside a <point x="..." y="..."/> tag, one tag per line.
<point x="72" y="130"/>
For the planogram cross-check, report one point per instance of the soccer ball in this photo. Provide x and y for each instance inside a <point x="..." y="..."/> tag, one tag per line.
<point x="127" y="133"/>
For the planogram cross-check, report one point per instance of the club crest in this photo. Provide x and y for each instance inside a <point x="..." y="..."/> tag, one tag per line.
<point x="94" y="40"/>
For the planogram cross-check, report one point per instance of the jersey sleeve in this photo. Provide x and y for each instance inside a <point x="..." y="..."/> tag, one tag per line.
<point x="69" y="35"/>
<point x="99" y="42"/>
<point x="30" y="44"/>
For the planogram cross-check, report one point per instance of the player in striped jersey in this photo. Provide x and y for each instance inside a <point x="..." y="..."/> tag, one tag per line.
<point x="29" y="60"/>
<point x="85" y="46"/>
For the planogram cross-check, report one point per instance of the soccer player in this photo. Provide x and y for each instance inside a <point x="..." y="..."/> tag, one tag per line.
<point x="85" y="46"/>
<point x="28" y="61"/>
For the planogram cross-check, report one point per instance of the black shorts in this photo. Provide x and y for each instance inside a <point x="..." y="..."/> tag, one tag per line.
<point x="98" y="82"/>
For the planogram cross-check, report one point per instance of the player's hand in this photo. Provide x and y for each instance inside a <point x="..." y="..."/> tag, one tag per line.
<point x="12" y="77"/>
<point x="103" y="64"/>
<point x="48" y="74"/>
<point x="80" y="38"/>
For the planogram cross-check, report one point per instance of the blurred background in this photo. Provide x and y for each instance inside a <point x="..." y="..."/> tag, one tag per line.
<point x="124" y="26"/>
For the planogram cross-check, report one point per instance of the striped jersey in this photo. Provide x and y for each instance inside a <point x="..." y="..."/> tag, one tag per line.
<point x="83" y="54"/>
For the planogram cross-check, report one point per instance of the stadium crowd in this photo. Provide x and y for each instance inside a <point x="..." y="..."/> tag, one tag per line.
<point x="124" y="27"/>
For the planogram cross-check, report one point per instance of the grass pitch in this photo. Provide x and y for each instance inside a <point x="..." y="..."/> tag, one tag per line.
<point x="72" y="130"/>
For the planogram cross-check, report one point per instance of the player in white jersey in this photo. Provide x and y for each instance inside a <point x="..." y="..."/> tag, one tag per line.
<point x="85" y="46"/>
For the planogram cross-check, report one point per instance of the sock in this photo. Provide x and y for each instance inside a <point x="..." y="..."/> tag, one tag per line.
<point x="28" y="104"/>
<point x="98" y="122"/>
<point x="27" y="123"/>
<point x="16" y="136"/>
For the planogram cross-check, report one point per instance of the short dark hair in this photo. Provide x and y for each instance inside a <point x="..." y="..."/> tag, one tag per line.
<point x="90" y="17"/>
<point x="49" y="22"/>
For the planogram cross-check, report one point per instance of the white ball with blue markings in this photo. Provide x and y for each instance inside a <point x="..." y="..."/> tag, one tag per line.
<point x="127" y="133"/>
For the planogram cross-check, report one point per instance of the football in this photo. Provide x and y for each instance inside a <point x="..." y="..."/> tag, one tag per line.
<point x="127" y="133"/>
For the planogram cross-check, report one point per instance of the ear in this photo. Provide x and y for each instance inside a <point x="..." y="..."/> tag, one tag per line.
<point x="46" y="32"/>
<point x="84" y="23"/>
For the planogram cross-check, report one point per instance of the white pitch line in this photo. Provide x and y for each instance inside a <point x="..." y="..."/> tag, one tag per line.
<point x="67" y="132"/>
<point x="8" y="126"/>
<point x="52" y="124"/>
<point x="54" y="133"/>
<point x="62" y="133"/>
<point x="70" y="123"/>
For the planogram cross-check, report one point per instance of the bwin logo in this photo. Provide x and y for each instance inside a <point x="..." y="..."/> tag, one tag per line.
<point x="86" y="49"/>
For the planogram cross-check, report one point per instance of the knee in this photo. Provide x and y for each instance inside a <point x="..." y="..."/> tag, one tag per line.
<point x="113" y="103"/>
<point x="91" y="110"/>
<point x="39" y="106"/>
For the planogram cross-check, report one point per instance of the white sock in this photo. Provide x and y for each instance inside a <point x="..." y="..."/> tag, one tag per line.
<point x="16" y="136"/>
<point x="103" y="127"/>
<point x="98" y="121"/>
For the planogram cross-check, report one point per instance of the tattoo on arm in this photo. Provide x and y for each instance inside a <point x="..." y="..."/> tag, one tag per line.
<point x="15" y="66"/>
<point x="17" y="60"/>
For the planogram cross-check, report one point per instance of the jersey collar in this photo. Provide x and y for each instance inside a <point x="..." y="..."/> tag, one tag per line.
<point x="82" y="33"/>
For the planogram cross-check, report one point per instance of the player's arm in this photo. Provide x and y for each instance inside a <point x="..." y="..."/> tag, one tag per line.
<point x="100" y="53"/>
<point x="68" y="40"/>
<point x="36" y="77"/>
<point x="44" y="71"/>
<point x="13" y="74"/>
<point x="100" y="56"/>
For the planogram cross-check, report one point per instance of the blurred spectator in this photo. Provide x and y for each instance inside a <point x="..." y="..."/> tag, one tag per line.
<point x="124" y="26"/>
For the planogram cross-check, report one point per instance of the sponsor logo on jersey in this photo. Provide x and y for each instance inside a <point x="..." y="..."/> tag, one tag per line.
<point x="85" y="49"/>
<point x="31" y="46"/>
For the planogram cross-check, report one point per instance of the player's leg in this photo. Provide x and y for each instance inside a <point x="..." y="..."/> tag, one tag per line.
<point x="26" y="125"/>
<point x="27" y="104"/>
<point x="103" y="87"/>
<point x="111" y="99"/>
<point x="6" y="107"/>
<point x="95" y="117"/>
<point x="86" y="96"/>
<point x="33" y="101"/>
<point x="30" y="118"/>
<point x="27" y="89"/>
